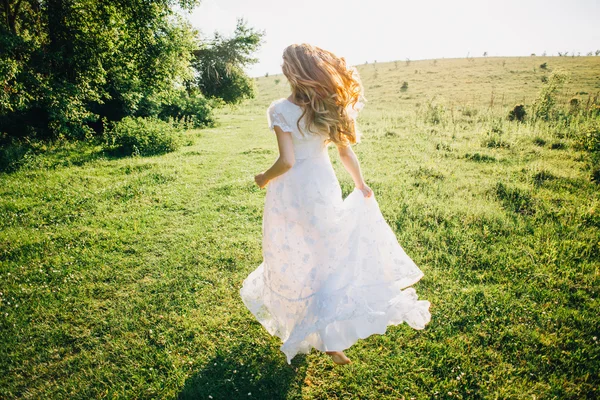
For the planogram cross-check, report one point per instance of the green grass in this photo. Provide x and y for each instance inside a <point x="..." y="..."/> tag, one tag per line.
<point x="119" y="277"/>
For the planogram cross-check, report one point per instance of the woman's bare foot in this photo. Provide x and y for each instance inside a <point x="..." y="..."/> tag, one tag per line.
<point x="338" y="357"/>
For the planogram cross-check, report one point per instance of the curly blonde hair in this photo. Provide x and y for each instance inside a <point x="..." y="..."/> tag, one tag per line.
<point x="329" y="91"/>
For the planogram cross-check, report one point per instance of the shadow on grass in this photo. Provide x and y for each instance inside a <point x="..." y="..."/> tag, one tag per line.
<point x="247" y="371"/>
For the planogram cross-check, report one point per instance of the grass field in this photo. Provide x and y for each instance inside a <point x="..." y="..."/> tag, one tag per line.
<point x="119" y="277"/>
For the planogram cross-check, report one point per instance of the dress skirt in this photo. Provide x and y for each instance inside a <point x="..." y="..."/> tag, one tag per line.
<point x="333" y="271"/>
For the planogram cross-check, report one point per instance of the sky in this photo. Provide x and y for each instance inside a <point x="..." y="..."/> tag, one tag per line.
<point x="387" y="30"/>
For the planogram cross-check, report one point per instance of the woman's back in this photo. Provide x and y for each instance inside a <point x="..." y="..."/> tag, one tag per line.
<point x="285" y="114"/>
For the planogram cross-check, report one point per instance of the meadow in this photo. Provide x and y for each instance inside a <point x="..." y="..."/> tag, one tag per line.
<point x="120" y="276"/>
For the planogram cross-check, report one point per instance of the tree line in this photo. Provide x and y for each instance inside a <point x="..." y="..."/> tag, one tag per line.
<point x="70" y="67"/>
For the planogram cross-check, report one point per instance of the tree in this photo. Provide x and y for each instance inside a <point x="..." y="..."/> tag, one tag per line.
<point x="219" y="64"/>
<point x="68" y="65"/>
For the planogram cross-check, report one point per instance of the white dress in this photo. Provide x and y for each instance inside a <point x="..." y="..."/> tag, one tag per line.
<point x="332" y="270"/>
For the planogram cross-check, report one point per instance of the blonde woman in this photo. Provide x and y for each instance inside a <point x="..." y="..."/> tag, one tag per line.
<point x="332" y="271"/>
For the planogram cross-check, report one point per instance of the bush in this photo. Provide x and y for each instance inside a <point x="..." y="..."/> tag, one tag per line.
<point x="588" y="138"/>
<point x="574" y="104"/>
<point x="434" y="113"/>
<point x="517" y="113"/>
<point x="404" y="86"/>
<point x="198" y="110"/>
<point x="544" y="107"/>
<point x="12" y="155"/>
<point x="143" y="136"/>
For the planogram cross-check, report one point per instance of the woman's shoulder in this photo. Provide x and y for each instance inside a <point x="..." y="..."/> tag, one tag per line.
<point x="277" y="104"/>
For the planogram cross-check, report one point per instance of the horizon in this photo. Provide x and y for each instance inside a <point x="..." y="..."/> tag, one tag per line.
<point x="433" y="29"/>
<point x="452" y="58"/>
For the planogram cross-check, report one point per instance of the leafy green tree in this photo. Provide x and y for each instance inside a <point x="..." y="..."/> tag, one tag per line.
<point x="544" y="106"/>
<point x="219" y="64"/>
<point x="68" y="65"/>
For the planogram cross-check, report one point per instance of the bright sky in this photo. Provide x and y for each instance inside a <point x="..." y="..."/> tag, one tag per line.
<point x="386" y="30"/>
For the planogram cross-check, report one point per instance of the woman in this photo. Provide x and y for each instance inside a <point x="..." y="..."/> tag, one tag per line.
<point x="332" y="271"/>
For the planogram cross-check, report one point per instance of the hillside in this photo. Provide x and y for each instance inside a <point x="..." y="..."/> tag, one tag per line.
<point x="120" y="276"/>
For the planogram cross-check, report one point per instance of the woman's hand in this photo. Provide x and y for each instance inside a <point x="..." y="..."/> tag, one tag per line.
<point x="260" y="180"/>
<point x="367" y="192"/>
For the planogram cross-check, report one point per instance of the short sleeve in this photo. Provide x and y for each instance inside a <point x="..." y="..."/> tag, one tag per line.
<point x="275" y="117"/>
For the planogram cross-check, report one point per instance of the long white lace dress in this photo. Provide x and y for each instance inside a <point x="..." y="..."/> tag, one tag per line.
<point x="332" y="270"/>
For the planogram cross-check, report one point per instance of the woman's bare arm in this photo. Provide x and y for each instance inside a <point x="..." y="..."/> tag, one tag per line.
<point x="284" y="162"/>
<point x="350" y="162"/>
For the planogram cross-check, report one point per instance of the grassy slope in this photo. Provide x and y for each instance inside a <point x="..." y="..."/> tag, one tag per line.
<point x="120" y="277"/>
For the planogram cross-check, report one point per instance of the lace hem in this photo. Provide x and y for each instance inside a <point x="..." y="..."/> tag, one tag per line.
<point x="337" y="331"/>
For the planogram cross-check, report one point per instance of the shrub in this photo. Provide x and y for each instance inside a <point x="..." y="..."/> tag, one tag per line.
<point x="434" y="113"/>
<point x="574" y="105"/>
<point x="544" y="105"/>
<point x="544" y="66"/>
<point x="404" y="86"/>
<point x="143" y="136"/>
<point x="197" y="109"/>
<point x="13" y="155"/>
<point x="517" y="113"/>
<point x="588" y="138"/>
